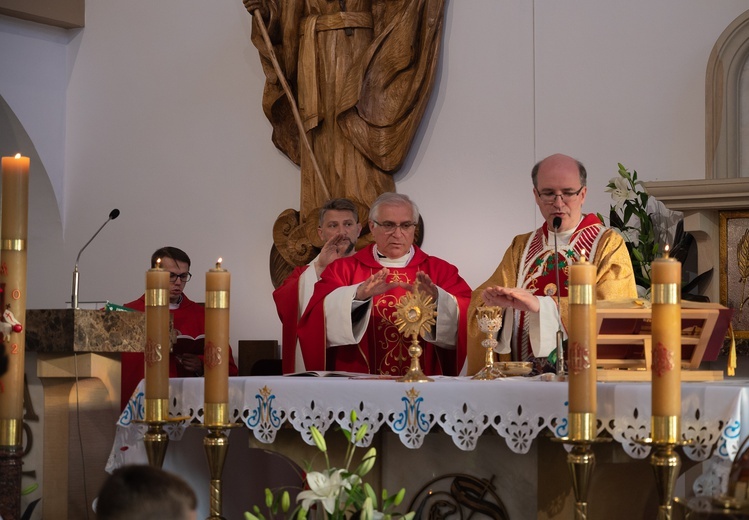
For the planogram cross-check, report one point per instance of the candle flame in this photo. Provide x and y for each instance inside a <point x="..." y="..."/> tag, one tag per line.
<point x="666" y="251"/>
<point x="582" y="255"/>
<point x="158" y="263"/>
<point x="18" y="156"/>
<point x="218" y="262"/>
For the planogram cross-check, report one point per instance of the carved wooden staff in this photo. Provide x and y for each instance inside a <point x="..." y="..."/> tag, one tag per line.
<point x="290" y="96"/>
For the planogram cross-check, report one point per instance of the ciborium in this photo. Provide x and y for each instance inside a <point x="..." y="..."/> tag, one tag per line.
<point x="489" y="321"/>
<point x="415" y="314"/>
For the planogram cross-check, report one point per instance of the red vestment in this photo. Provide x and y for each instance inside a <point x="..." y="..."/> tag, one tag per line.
<point x="188" y="320"/>
<point x="382" y="350"/>
<point x="287" y="306"/>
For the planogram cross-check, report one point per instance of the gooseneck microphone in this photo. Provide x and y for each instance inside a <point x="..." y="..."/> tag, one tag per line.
<point x="74" y="298"/>
<point x="560" y="351"/>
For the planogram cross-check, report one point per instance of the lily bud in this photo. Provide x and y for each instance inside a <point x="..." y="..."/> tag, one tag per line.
<point x="318" y="438"/>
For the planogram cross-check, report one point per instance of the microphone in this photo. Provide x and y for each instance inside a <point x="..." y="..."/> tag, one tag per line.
<point x="74" y="298"/>
<point x="560" y="351"/>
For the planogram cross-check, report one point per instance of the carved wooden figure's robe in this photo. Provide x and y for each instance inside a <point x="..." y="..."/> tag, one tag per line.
<point x="362" y="78"/>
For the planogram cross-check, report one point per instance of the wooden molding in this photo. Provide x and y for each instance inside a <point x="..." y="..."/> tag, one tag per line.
<point x="68" y="14"/>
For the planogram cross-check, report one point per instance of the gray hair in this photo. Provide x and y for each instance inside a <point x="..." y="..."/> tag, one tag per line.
<point x="393" y="199"/>
<point x="338" y="205"/>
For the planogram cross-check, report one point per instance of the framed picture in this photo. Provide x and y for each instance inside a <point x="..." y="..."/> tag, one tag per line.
<point x="734" y="268"/>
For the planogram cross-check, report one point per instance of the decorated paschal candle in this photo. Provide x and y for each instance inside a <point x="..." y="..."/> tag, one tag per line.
<point x="581" y="349"/>
<point x="157" y="341"/>
<point x="216" y="354"/>
<point x="666" y="345"/>
<point x="13" y="237"/>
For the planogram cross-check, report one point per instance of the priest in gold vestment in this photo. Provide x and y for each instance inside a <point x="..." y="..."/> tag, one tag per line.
<point x="525" y="282"/>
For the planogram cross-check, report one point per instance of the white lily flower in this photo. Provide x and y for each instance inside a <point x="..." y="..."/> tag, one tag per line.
<point x="620" y="193"/>
<point x="324" y="487"/>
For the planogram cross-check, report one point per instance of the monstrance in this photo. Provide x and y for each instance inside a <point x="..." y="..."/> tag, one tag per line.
<point x="415" y="313"/>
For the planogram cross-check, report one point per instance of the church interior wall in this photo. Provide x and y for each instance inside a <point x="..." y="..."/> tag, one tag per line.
<point x="154" y="108"/>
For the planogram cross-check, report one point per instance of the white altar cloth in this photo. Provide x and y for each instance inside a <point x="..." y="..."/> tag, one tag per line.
<point x="715" y="415"/>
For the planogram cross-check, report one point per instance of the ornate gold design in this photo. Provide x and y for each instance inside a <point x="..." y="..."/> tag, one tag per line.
<point x="211" y="355"/>
<point x="489" y="321"/>
<point x="579" y="358"/>
<point x="663" y="359"/>
<point x="415" y="313"/>
<point x="153" y="352"/>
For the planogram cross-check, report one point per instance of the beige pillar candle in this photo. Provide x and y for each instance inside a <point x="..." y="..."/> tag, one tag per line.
<point x="216" y="354"/>
<point x="157" y="333"/>
<point x="581" y="345"/>
<point x="666" y="337"/>
<point x="13" y="236"/>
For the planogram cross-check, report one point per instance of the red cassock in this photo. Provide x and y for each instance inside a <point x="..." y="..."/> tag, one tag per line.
<point x="287" y="306"/>
<point x="189" y="320"/>
<point x="382" y="350"/>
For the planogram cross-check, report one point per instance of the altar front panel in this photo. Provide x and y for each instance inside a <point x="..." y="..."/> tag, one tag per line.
<point x="469" y="416"/>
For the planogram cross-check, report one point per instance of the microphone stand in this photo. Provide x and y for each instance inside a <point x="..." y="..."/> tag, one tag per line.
<point x="74" y="297"/>
<point x="560" y="350"/>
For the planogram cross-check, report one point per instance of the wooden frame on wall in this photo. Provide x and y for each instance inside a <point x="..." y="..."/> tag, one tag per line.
<point x="734" y="268"/>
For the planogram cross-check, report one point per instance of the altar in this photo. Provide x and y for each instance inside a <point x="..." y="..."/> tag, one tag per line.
<point x="422" y="430"/>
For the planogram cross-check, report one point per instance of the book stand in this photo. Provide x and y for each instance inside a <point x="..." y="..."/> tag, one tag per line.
<point x="625" y="345"/>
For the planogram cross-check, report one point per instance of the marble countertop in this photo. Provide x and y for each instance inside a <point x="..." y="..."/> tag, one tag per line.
<point x="83" y="330"/>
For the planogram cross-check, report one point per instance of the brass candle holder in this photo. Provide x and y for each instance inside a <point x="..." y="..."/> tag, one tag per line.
<point x="489" y="321"/>
<point x="665" y="431"/>
<point x="216" y="445"/>
<point x="156" y="440"/>
<point x="415" y="313"/>
<point x="581" y="460"/>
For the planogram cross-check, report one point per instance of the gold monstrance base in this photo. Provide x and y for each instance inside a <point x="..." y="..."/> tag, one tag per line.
<point x="415" y="313"/>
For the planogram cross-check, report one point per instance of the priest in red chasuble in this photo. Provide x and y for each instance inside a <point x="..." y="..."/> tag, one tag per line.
<point x="339" y="227"/>
<point x="525" y="282"/>
<point x="349" y="323"/>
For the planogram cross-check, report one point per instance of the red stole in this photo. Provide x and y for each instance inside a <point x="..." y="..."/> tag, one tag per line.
<point x="537" y="271"/>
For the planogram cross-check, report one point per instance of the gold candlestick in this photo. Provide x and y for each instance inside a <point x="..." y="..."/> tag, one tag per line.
<point x="415" y="313"/>
<point x="216" y="445"/>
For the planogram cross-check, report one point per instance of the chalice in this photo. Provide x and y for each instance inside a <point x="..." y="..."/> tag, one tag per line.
<point x="490" y="321"/>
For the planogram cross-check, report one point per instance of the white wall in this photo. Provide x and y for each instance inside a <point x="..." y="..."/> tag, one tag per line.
<point x="154" y="108"/>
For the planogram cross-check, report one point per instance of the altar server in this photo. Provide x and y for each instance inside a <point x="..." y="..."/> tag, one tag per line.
<point x="525" y="281"/>
<point x="349" y="322"/>
<point x="339" y="228"/>
<point x="188" y="320"/>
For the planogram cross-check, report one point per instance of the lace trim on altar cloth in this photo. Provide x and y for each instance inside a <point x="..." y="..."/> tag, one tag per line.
<point x="518" y="411"/>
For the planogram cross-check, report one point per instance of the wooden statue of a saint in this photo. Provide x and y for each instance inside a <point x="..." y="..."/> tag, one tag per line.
<point x="361" y="73"/>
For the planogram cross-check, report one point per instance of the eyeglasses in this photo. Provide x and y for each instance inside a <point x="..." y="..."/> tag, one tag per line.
<point x="549" y="197"/>
<point x="390" y="227"/>
<point x="185" y="277"/>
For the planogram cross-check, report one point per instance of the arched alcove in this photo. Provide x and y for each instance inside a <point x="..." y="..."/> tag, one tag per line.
<point x="45" y="238"/>
<point x="727" y="103"/>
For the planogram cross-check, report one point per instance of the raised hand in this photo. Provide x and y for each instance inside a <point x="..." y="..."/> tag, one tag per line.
<point x="513" y="297"/>
<point x="376" y="284"/>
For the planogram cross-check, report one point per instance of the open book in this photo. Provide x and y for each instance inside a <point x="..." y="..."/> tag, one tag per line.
<point x="189" y="345"/>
